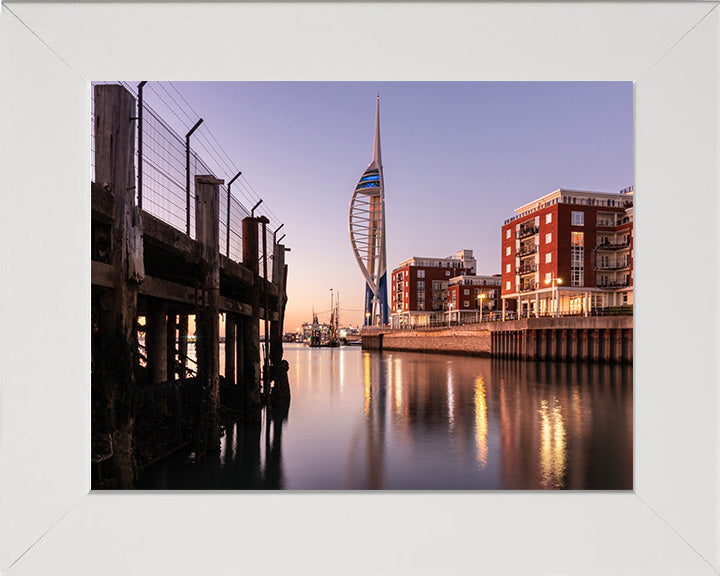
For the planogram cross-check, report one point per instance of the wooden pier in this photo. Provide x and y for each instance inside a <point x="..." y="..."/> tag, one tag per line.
<point x="143" y="267"/>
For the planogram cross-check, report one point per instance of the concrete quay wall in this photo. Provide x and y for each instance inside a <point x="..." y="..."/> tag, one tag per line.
<point x="596" y="339"/>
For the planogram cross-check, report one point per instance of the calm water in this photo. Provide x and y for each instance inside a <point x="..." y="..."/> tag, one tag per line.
<point x="408" y="421"/>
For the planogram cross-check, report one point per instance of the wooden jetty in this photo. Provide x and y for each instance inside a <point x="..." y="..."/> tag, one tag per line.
<point x="143" y="267"/>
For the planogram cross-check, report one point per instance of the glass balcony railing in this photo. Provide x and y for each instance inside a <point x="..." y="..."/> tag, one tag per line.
<point x="527" y="269"/>
<point x="527" y="249"/>
<point x="612" y="285"/>
<point x="613" y="265"/>
<point x="612" y="246"/>
<point x="527" y="231"/>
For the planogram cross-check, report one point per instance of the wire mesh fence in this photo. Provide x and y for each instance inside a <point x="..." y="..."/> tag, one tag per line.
<point x="164" y="165"/>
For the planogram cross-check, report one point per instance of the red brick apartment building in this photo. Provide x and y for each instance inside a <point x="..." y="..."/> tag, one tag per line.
<point x="467" y="293"/>
<point x="420" y="285"/>
<point x="569" y="252"/>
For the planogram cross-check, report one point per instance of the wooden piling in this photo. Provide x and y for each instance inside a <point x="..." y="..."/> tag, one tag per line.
<point x="276" y="327"/>
<point x="207" y="227"/>
<point x="618" y="347"/>
<point x="595" y="349"/>
<point x="114" y="387"/>
<point x="157" y="342"/>
<point x="171" y="344"/>
<point x="251" y="327"/>
<point x="239" y="351"/>
<point x="230" y="342"/>
<point x="183" y="324"/>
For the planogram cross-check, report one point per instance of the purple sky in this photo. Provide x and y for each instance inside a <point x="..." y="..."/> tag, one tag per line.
<point x="458" y="158"/>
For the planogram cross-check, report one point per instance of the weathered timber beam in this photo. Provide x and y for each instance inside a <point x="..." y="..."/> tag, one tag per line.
<point x="236" y="271"/>
<point x="228" y="305"/>
<point x="102" y="204"/>
<point x="158" y="288"/>
<point x="159" y="233"/>
<point x="273" y="315"/>
<point x="272" y="289"/>
<point x="102" y="274"/>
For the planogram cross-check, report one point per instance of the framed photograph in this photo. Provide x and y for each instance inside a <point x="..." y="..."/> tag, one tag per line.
<point x="50" y="520"/>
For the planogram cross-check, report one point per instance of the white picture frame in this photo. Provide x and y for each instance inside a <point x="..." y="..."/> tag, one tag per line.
<point x="51" y="524"/>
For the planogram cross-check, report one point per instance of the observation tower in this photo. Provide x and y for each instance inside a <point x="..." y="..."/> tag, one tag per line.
<point x="367" y="233"/>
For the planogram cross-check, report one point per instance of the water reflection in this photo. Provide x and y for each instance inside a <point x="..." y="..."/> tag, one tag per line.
<point x="481" y="422"/>
<point x="372" y="420"/>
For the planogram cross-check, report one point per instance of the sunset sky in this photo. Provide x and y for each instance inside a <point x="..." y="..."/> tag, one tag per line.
<point x="458" y="158"/>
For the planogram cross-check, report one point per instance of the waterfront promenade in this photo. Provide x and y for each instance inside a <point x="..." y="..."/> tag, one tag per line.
<point x="596" y="339"/>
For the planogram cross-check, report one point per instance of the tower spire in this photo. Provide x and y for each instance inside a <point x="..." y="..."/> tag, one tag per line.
<point x="376" y="148"/>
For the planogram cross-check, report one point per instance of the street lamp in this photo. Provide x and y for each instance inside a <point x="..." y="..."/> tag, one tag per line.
<point x="556" y="294"/>
<point x="367" y="318"/>
<point x="481" y="297"/>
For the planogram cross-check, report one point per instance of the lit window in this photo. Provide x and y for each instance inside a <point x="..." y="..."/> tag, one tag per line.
<point x="548" y="238"/>
<point x="548" y="278"/>
<point x="507" y="267"/>
<point x="507" y="285"/>
<point x="507" y="251"/>
<point x="548" y="257"/>
<point x="466" y="304"/>
<point x="577" y="238"/>
<point x="578" y="218"/>
<point x="548" y="218"/>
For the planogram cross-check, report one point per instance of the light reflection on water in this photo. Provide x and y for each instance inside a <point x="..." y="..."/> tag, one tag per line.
<point x="395" y="420"/>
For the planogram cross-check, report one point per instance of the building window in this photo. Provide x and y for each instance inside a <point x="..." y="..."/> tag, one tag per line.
<point x="421" y="286"/>
<point x="507" y="267"/>
<point x="447" y="272"/>
<point x="548" y="278"/>
<point x="548" y="218"/>
<point x="507" y="233"/>
<point x="577" y="219"/>
<point x="548" y="238"/>
<point x="507" y="285"/>
<point x="577" y="258"/>
<point x="421" y="273"/>
<point x="507" y="251"/>
<point x="548" y="257"/>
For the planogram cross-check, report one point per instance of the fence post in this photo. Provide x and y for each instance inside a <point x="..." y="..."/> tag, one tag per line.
<point x="140" y="143"/>
<point x="207" y="226"/>
<point x="187" y="174"/>
<point x="229" y="199"/>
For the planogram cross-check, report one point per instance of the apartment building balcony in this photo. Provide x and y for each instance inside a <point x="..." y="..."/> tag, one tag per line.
<point x="611" y="246"/>
<point x="527" y="269"/>
<point x="606" y="223"/>
<point x="613" y="266"/>
<point x="527" y="287"/>
<point x="527" y="231"/>
<point x="527" y="249"/>
<point x="613" y="285"/>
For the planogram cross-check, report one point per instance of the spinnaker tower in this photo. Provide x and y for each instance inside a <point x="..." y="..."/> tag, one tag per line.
<point x="367" y="233"/>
